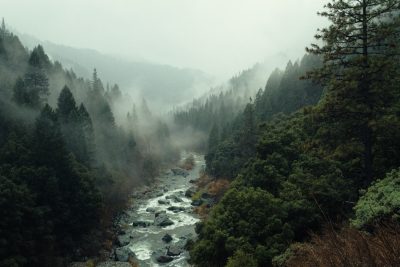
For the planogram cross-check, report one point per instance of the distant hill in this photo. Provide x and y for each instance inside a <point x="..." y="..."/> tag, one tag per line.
<point x="162" y="85"/>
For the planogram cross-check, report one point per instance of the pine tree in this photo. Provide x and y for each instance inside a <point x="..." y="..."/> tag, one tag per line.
<point x="48" y="141"/>
<point x="145" y="109"/>
<point x="35" y="79"/>
<point x="97" y="85"/>
<point x="3" y="30"/>
<point x="360" y="54"/>
<point x="213" y="138"/>
<point x="88" y="131"/>
<point x="20" y="95"/>
<point x="66" y="105"/>
<point x="247" y="135"/>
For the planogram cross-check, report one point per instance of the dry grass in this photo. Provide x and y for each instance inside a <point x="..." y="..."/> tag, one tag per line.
<point x="203" y="181"/>
<point x="351" y="248"/>
<point x="218" y="188"/>
<point x="202" y="211"/>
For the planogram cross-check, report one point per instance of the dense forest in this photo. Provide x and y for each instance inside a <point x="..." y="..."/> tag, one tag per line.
<point x="66" y="166"/>
<point x="303" y="170"/>
<point x="219" y="106"/>
<point x="313" y="160"/>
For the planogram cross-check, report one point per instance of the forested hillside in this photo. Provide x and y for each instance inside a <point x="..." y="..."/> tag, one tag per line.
<point x="66" y="166"/>
<point x="301" y="166"/>
<point x="138" y="77"/>
<point x="309" y="152"/>
<point x="222" y="104"/>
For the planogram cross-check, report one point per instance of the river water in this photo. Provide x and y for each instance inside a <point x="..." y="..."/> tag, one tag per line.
<point x="144" y="237"/>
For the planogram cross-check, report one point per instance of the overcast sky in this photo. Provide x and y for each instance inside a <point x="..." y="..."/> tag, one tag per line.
<point x="220" y="37"/>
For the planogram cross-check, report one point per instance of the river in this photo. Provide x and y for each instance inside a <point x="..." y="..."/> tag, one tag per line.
<point x="158" y="210"/>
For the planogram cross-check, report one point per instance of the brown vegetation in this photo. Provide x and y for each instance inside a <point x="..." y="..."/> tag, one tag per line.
<point x="218" y="188"/>
<point x="350" y="247"/>
<point x="203" y="181"/>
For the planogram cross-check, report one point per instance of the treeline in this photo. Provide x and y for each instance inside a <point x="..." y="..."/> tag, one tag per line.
<point x="308" y="154"/>
<point x="66" y="166"/>
<point x="221" y="105"/>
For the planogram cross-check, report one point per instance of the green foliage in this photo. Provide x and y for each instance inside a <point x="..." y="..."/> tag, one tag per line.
<point x="241" y="259"/>
<point x="246" y="219"/>
<point x="360" y="70"/>
<point x="60" y="168"/>
<point x="380" y="201"/>
<point x="16" y="207"/>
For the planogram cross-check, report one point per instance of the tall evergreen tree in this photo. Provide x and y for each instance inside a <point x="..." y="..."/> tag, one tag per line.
<point x="247" y="135"/>
<point x="3" y="29"/>
<point x="88" y="131"/>
<point x="66" y="105"/>
<point x="213" y="138"/>
<point x="35" y="79"/>
<point x="360" y="53"/>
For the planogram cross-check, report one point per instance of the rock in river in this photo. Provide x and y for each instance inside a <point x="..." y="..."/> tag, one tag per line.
<point x="123" y="240"/>
<point x="174" y="250"/>
<point x="164" y="259"/>
<point x="112" y="264"/>
<point x="180" y="171"/>
<point x="197" y="202"/>
<point x="190" y="192"/>
<point x="174" y="198"/>
<point x="176" y="209"/>
<point x="150" y="209"/>
<point x="140" y="223"/>
<point x="123" y="254"/>
<point x="162" y="220"/>
<point x="163" y="202"/>
<point x="167" y="238"/>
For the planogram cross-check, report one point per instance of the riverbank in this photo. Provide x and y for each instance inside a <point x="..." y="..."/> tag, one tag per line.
<point x="159" y="221"/>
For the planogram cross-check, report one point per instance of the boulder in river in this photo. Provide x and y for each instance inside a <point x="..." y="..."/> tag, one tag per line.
<point x="123" y="254"/>
<point x="140" y="224"/>
<point x="190" y="192"/>
<point x="123" y="240"/>
<point x="176" y="209"/>
<point x="177" y="199"/>
<point x="158" y="213"/>
<point x="174" y="250"/>
<point x="112" y="264"/>
<point x="162" y="220"/>
<point x="174" y="198"/>
<point x="167" y="238"/>
<point x="163" y="202"/>
<point x="150" y="209"/>
<point x="164" y="259"/>
<point x="180" y="171"/>
<point x="197" y="202"/>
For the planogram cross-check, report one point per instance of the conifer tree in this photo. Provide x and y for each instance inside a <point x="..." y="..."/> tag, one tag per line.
<point x="213" y="138"/>
<point x="360" y="54"/>
<point x="35" y="79"/>
<point x="66" y="104"/>
<point x="3" y="30"/>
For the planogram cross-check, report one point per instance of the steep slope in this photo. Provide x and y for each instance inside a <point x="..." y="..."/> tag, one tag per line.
<point x="164" y="85"/>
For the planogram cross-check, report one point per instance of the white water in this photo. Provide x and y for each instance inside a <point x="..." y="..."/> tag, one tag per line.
<point x="146" y="242"/>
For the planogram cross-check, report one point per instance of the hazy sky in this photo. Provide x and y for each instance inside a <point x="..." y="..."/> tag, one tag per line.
<point x="220" y="37"/>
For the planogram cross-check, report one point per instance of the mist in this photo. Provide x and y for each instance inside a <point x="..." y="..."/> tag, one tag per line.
<point x="199" y="133"/>
<point x="233" y="34"/>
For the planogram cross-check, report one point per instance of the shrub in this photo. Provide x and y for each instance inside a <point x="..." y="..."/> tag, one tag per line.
<point x="380" y="201"/>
